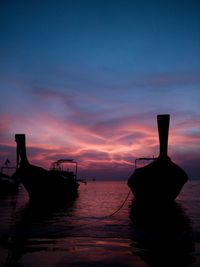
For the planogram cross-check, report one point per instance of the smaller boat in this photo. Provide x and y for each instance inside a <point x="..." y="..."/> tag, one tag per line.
<point x="45" y="185"/>
<point x="162" y="179"/>
<point x="7" y="183"/>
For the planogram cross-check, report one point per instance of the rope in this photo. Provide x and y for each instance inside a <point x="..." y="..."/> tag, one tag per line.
<point x="96" y="218"/>
<point x="102" y="217"/>
<point x="110" y="215"/>
<point x="120" y="207"/>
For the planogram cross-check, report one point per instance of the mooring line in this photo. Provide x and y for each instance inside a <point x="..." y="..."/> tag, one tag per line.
<point x="121" y="205"/>
<point x="100" y="217"/>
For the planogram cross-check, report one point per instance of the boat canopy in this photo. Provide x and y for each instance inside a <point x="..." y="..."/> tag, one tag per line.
<point x="58" y="165"/>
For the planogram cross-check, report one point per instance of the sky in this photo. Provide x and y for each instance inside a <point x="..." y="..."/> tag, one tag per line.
<point x="86" y="79"/>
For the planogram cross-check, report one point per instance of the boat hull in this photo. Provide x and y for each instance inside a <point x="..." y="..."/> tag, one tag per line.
<point x="159" y="181"/>
<point x="43" y="185"/>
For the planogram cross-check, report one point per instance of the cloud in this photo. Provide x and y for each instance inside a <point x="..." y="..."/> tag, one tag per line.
<point x="168" y="80"/>
<point x="101" y="136"/>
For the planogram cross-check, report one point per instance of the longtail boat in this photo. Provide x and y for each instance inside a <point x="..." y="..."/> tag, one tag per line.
<point x="44" y="185"/>
<point x="162" y="179"/>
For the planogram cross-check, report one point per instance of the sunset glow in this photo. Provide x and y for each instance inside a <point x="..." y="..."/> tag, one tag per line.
<point x="86" y="81"/>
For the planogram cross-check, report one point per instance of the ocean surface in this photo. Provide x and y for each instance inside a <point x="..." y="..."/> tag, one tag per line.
<point x="96" y="230"/>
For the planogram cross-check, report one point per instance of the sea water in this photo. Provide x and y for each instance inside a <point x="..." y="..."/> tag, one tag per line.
<point x="95" y="229"/>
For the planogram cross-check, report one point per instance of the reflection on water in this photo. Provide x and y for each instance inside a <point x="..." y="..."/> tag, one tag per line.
<point x="80" y="232"/>
<point x="162" y="235"/>
<point x="28" y="235"/>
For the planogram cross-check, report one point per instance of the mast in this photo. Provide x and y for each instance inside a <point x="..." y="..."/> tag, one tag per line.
<point x="22" y="159"/>
<point x="163" y="131"/>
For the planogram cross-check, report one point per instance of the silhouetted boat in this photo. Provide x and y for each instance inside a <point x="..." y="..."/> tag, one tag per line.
<point x="161" y="180"/>
<point x="7" y="182"/>
<point x="41" y="184"/>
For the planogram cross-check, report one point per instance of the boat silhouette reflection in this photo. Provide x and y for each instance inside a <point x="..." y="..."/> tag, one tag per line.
<point x="36" y="228"/>
<point x="161" y="235"/>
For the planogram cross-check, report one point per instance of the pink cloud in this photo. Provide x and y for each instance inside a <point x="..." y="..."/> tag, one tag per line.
<point x="99" y="141"/>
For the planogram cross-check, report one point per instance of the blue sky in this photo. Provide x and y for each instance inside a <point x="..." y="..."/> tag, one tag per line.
<point x="86" y="79"/>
